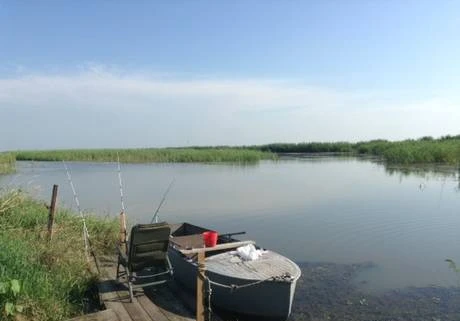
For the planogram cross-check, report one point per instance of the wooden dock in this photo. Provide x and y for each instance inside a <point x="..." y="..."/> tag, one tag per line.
<point x="158" y="303"/>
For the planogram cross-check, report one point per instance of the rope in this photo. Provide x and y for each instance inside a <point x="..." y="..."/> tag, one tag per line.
<point x="209" y="298"/>
<point x="234" y="287"/>
<point x="286" y="277"/>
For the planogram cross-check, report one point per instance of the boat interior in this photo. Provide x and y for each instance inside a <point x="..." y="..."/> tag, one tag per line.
<point x="188" y="239"/>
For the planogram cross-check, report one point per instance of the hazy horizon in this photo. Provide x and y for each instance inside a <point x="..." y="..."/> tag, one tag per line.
<point x="213" y="146"/>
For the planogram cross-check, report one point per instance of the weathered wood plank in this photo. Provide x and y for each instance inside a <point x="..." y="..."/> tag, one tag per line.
<point x="200" y="288"/>
<point x="169" y="304"/>
<point x="136" y="312"/>
<point x="105" y="315"/>
<point x="110" y="299"/>
<point x="151" y="309"/>
<point x="158" y="303"/>
<point x="134" y="309"/>
<point x="224" y="246"/>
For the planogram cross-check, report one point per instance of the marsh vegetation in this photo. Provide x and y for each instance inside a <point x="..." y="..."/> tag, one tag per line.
<point x="46" y="280"/>
<point x="7" y="163"/>
<point x="150" y="155"/>
<point x="425" y="150"/>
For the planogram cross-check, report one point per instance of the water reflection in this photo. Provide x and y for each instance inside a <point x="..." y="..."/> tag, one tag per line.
<point x="313" y="209"/>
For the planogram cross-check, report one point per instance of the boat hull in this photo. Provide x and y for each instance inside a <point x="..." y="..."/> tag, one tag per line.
<point x="270" y="299"/>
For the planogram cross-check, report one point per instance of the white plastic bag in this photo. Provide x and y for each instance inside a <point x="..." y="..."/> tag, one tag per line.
<point x="249" y="252"/>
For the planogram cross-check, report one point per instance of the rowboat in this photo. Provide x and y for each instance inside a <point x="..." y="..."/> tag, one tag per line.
<point x="261" y="288"/>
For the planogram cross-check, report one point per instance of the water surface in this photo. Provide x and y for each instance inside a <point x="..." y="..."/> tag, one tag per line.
<point x="322" y="209"/>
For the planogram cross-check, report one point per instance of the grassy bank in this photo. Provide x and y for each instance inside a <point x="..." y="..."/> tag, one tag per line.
<point x="426" y="150"/>
<point x="41" y="280"/>
<point x="7" y="163"/>
<point x="147" y="155"/>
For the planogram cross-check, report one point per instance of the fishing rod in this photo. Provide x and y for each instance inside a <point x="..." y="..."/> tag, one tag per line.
<point x="230" y="235"/>
<point x="155" y="215"/>
<point x="88" y="245"/>
<point x="123" y="233"/>
<point x="77" y="202"/>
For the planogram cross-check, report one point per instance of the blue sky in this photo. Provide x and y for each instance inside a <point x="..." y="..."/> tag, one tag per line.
<point x="173" y="73"/>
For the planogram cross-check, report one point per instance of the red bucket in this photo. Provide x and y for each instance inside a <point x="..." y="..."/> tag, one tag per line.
<point x="210" y="238"/>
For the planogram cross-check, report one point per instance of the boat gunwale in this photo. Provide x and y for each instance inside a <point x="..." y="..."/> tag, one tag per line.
<point x="188" y="253"/>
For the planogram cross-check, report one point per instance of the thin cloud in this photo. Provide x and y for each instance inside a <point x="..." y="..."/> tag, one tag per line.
<point x="100" y="106"/>
<point x="97" y="86"/>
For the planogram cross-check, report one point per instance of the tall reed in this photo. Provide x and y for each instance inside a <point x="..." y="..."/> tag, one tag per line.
<point x="444" y="150"/>
<point x="7" y="163"/>
<point x="144" y="155"/>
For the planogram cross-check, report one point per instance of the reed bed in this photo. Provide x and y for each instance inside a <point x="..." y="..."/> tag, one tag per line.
<point x="312" y="147"/>
<point x="149" y="155"/>
<point x="7" y="163"/>
<point x="426" y="150"/>
<point x="51" y="279"/>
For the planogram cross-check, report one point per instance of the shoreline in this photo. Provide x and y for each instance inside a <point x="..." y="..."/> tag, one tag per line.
<point x="423" y="151"/>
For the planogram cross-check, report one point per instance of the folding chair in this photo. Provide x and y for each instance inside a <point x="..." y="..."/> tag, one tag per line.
<point x="146" y="263"/>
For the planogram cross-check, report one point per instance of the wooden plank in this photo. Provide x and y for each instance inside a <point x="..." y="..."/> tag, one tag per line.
<point x="200" y="288"/>
<point x="134" y="309"/>
<point x="108" y="289"/>
<point x="153" y="303"/>
<point x="136" y="312"/>
<point x="151" y="309"/>
<point x="175" y="317"/>
<point x="169" y="304"/>
<point x="105" y="315"/>
<point x="218" y="247"/>
<point x="188" y="241"/>
<point x="109" y="297"/>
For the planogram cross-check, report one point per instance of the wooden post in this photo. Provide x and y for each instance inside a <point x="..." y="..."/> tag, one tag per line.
<point x="200" y="287"/>
<point x="52" y="212"/>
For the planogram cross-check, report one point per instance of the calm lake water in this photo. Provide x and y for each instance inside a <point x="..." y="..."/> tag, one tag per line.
<point x="320" y="209"/>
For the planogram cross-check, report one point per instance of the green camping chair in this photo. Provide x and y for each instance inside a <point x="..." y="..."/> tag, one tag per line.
<point x="146" y="262"/>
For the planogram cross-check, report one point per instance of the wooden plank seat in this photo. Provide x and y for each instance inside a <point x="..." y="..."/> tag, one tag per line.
<point x="193" y="244"/>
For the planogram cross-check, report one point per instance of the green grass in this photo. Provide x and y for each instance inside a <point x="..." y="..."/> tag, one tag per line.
<point x="426" y="150"/>
<point x="54" y="277"/>
<point x="147" y="155"/>
<point x="312" y="147"/>
<point x="7" y="163"/>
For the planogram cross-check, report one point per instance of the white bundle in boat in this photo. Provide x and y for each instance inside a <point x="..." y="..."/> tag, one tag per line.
<point x="249" y="252"/>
